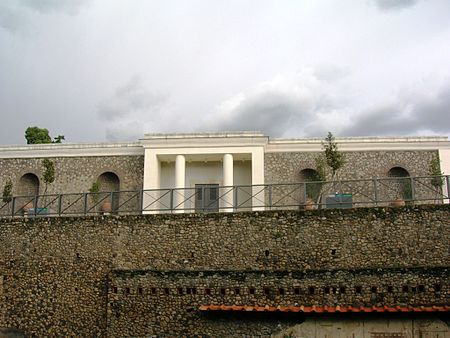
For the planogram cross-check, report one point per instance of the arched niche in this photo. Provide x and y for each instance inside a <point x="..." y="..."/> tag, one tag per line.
<point x="312" y="190"/>
<point x="398" y="172"/>
<point x="401" y="183"/>
<point x="308" y="175"/>
<point x="28" y="185"/>
<point x="109" y="182"/>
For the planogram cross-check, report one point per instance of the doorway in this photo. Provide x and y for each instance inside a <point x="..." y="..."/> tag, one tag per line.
<point x="206" y="197"/>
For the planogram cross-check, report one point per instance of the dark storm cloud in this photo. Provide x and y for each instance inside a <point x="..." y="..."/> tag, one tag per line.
<point x="131" y="99"/>
<point x="408" y="116"/>
<point x="126" y="111"/>
<point x="388" y="5"/>
<point x="270" y="111"/>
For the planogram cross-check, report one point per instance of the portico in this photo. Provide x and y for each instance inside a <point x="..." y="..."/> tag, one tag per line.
<point x="193" y="167"/>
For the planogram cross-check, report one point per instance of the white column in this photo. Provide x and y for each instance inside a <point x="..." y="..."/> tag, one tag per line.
<point x="180" y="178"/>
<point x="258" y="178"/>
<point x="444" y="157"/>
<point x="152" y="175"/>
<point x="227" y="193"/>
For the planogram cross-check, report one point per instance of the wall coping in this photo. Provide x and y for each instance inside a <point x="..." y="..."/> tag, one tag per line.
<point x="71" y="150"/>
<point x="222" y="139"/>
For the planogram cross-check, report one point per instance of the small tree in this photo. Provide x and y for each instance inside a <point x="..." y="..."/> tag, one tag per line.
<point x="94" y="190"/>
<point x="437" y="180"/>
<point x="331" y="158"/>
<point x="334" y="158"/>
<point x="49" y="173"/>
<point x="313" y="189"/>
<point x="435" y="171"/>
<point x="7" y="192"/>
<point x="36" y="135"/>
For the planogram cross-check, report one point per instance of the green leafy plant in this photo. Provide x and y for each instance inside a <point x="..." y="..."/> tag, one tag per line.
<point x="314" y="188"/>
<point x="334" y="158"/>
<point x="36" y="135"/>
<point x="49" y="173"/>
<point x="7" y="192"/>
<point x="94" y="190"/>
<point x="435" y="171"/>
<point x="331" y="158"/>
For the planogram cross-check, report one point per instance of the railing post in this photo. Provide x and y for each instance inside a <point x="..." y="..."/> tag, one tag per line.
<point x="141" y="202"/>
<point x="235" y="198"/>
<point x="203" y="198"/>
<point x="305" y="195"/>
<point x="270" y="197"/>
<point x="413" y="190"/>
<point x="375" y="190"/>
<point x="13" y="206"/>
<point x="171" y="200"/>
<point x="59" y="204"/>
<point x="85" y="203"/>
<point x="35" y="204"/>
<point x="448" y="187"/>
<point x="111" y="196"/>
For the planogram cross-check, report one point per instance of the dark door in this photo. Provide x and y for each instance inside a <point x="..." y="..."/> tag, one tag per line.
<point x="207" y="197"/>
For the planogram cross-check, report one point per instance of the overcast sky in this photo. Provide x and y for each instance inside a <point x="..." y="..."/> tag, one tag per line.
<point x="105" y="70"/>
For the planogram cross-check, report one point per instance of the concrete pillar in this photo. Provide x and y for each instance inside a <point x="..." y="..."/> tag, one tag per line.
<point x="180" y="178"/>
<point x="228" y="181"/>
<point x="258" y="192"/>
<point x="444" y="157"/>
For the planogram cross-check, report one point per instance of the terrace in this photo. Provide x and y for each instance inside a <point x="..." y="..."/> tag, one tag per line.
<point x="377" y="192"/>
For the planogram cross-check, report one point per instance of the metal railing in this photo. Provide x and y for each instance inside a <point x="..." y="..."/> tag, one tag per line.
<point x="302" y="195"/>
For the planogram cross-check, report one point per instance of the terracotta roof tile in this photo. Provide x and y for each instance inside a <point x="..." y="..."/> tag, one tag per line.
<point x="324" y="309"/>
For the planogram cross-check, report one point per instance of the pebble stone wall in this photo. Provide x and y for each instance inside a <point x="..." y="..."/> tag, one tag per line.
<point x="149" y="297"/>
<point x="58" y="275"/>
<point x="286" y="167"/>
<point x="75" y="174"/>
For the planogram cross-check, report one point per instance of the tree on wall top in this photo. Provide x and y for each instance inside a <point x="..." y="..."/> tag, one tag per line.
<point x="36" y="135"/>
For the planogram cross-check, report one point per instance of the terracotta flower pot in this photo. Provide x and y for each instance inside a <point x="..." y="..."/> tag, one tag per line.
<point x="27" y="207"/>
<point x="309" y="205"/>
<point x="398" y="203"/>
<point x="106" y="207"/>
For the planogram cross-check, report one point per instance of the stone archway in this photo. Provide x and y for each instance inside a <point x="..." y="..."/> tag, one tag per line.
<point x="28" y="185"/>
<point x="109" y="182"/>
<point x="313" y="187"/>
<point x="401" y="182"/>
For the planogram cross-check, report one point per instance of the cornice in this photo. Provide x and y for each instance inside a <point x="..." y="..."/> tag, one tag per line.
<point x="361" y="144"/>
<point x="72" y="150"/>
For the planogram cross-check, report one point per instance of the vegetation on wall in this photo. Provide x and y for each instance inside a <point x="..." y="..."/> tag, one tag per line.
<point x="334" y="158"/>
<point x="7" y="192"/>
<point x="435" y="171"/>
<point x="49" y="173"/>
<point x="331" y="158"/>
<point x="94" y="190"/>
<point x="314" y="188"/>
<point x="36" y="135"/>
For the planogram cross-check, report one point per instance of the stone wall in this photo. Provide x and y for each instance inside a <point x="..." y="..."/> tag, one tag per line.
<point x="286" y="167"/>
<point x="360" y="168"/>
<point x="143" y="302"/>
<point x="94" y="276"/>
<point x="75" y="174"/>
